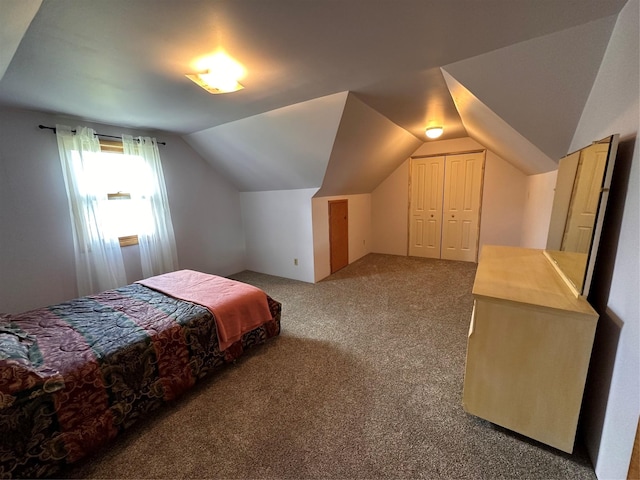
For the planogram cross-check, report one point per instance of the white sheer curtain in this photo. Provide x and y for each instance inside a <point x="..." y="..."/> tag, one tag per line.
<point x="99" y="264"/>
<point x="157" y="241"/>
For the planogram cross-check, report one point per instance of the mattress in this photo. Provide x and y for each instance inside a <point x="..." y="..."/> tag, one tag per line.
<point x="75" y="375"/>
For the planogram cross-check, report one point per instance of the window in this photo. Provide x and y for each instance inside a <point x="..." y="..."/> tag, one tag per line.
<point x="116" y="195"/>
<point x="121" y="184"/>
<point x="119" y="213"/>
<point x="126" y="215"/>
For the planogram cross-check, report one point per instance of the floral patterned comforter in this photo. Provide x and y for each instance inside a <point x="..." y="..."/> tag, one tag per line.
<point x="74" y="375"/>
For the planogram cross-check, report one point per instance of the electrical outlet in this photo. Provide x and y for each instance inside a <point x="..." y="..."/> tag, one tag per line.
<point x="295" y="262"/>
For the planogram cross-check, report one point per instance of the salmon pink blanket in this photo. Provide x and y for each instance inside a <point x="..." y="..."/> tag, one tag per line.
<point x="237" y="307"/>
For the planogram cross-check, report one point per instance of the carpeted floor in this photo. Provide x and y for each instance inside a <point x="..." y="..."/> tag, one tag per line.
<point x="365" y="381"/>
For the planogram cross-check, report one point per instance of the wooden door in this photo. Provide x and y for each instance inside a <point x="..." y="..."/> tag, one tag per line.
<point x="585" y="199"/>
<point x="425" y="217"/>
<point x="338" y="234"/>
<point x="461" y="206"/>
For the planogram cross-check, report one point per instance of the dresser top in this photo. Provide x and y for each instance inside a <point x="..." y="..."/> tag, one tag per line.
<point x="525" y="275"/>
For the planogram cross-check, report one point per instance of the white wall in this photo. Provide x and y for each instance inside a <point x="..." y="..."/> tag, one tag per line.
<point x="359" y="222"/>
<point x="389" y="213"/>
<point x="503" y="200"/>
<point x="283" y="225"/>
<point x="503" y="203"/>
<point x="205" y="209"/>
<point x="537" y="209"/>
<point x="612" y="397"/>
<point x="278" y="229"/>
<point x="36" y="248"/>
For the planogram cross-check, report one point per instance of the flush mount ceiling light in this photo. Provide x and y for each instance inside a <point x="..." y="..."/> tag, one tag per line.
<point x="214" y="83"/>
<point x="434" y="132"/>
<point x="221" y="75"/>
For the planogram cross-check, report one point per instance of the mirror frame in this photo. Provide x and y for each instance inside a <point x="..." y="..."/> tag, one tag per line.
<point x="567" y="170"/>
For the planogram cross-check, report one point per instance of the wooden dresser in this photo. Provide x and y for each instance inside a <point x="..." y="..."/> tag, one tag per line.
<point x="529" y="346"/>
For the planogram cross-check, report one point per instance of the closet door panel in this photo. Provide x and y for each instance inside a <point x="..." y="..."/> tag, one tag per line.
<point x="461" y="206"/>
<point x="427" y="176"/>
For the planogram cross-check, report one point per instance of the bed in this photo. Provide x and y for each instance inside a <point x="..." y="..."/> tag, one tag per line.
<point x="75" y="375"/>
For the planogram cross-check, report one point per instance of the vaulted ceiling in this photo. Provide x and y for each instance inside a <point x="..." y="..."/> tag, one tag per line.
<point x="514" y="75"/>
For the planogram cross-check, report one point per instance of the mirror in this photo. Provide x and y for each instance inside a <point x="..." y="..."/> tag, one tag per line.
<point x="579" y="203"/>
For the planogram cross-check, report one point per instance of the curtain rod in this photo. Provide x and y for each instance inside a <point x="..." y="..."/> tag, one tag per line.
<point x="43" y="127"/>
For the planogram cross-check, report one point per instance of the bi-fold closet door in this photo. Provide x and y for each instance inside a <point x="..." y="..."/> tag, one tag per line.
<point x="444" y="212"/>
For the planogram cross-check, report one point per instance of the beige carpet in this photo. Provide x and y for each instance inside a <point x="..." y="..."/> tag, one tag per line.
<point x="365" y="381"/>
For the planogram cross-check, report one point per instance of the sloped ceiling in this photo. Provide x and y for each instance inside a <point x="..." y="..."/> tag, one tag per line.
<point x="367" y="149"/>
<point x="336" y="143"/>
<point x="546" y="79"/>
<point x="494" y="133"/>
<point x="285" y="149"/>
<point x="123" y="62"/>
<point x="16" y="18"/>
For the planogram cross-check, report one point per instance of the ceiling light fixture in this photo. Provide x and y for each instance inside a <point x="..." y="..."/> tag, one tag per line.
<point x="222" y="74"/>
<point x="434" y="132"/>
<point x="215" y="83"/>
